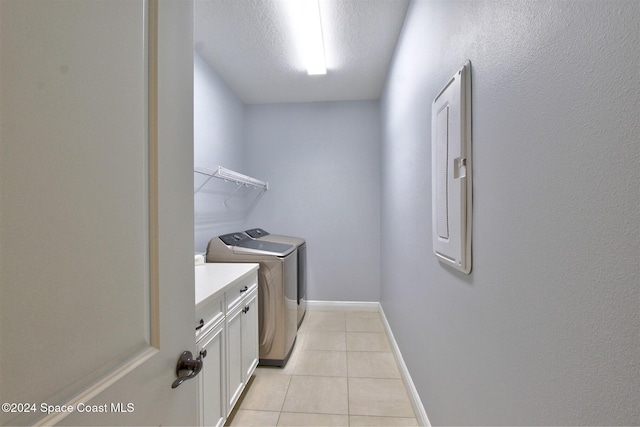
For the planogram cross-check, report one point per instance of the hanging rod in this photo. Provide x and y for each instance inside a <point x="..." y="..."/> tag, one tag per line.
<point x="229" y="175"/>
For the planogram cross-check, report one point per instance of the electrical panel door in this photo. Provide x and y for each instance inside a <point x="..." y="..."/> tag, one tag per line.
<point x="451" y="171"/>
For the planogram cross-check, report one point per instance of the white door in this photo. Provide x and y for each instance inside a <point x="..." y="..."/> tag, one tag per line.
<point x="96" y="211"/>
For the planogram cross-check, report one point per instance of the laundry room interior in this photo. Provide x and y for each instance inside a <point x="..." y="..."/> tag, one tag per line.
<point x="543" y="330"/>
<point x="437" y="225"/>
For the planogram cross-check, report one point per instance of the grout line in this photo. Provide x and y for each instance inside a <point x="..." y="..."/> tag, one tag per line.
<point x="348" y="398"/>
<point x="286" y="393"/>
<point x="320" y="376"/>
<point x="399" y="364"/>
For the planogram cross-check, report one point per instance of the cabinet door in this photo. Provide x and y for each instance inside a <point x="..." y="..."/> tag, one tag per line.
<point x="211" y="383"/>
<point x="235" y="369"/>
<point x="250" y="335"/>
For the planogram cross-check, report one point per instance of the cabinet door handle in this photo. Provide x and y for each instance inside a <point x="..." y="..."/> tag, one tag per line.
<point x="187" y="368"/>
<point x="246" y="309"/>
<point x="200" y="325"/>
<point x="244" y="289"/>
<point x="203" y="353"/>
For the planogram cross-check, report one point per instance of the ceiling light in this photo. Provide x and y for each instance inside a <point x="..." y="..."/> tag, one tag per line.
<point x="307" y="16"/>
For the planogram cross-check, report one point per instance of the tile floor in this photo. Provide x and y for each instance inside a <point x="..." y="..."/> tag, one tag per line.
<point x="341" y="373"/>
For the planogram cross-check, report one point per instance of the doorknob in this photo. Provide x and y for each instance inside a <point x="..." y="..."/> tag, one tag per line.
<point x="187" y="368"/>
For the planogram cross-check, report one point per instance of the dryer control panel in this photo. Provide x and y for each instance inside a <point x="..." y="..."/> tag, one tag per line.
<point x="256" y="233"/>
<point x="240" y="243"/>
<point x="233" y="239"/>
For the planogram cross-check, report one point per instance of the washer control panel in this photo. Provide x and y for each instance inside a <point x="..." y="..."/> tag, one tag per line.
<point x="234" y="239"/>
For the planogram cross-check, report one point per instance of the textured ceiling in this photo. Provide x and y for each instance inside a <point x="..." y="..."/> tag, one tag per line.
<point x="249" y="44"/>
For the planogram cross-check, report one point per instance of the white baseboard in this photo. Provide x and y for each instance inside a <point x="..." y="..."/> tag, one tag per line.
<point x="416" y="402"/>
<point x="343" y="306"/>
<point x="418" y="408"/>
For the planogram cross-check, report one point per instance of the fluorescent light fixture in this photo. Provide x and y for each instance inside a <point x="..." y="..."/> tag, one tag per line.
<point x="315" y="56"/>
<point x="306" y="16"/>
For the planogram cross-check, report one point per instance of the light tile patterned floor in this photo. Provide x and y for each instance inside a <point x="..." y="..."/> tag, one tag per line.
<point x="341" y="373"/>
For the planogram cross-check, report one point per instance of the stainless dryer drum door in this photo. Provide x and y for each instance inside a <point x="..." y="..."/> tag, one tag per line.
<point x="278" y="309"/>
<point x="267" y="306"/>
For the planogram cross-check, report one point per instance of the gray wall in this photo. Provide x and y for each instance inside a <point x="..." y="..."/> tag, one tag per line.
<point x="322" y="161"/>
<point x="218" y="139"/>
<point x="545" y="329"/>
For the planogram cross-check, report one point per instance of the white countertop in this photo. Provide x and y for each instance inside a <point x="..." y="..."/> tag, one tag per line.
<point x="213" y="278"/>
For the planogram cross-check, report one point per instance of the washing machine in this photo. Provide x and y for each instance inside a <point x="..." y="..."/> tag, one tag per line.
<point x="277" y="290"/>
<point x="301" y="246"/>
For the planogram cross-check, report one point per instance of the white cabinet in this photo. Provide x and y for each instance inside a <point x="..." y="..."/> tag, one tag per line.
<point x="250" y="354"/>
<point x="227" y="330"/>
<point x="211" y="382"/>
<point x="235" y="377"/>
<point x="242" y="345"/>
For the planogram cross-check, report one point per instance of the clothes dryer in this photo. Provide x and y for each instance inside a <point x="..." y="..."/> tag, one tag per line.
<point x="301" y="247"/>
<point x="277" y="279"/>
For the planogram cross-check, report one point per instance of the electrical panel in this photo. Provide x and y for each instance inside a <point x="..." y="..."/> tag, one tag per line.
<point x="451" y="171"/>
